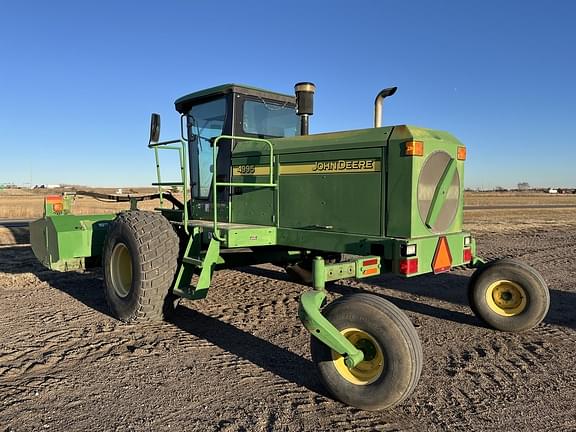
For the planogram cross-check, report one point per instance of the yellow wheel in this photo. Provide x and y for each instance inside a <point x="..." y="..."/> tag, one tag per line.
<point x="139" y="260"/>
<point x="506" y="298"/>
<point x="392" y="353"/>
<point x="121" y="270"/>
<point x="509" y="295"/>
<point x="368" y="370"/>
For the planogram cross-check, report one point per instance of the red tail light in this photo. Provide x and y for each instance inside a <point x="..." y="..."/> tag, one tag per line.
<point x="409" y="266"/>
<point x="467" y="255"/>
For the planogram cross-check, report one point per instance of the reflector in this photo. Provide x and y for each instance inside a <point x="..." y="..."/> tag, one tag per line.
<point x="52" y="199"/>
<point x="409" y="266"/>
<point x="370" y="271"/>
<point x="442" y="258"/>
<point x="369" y="262"/>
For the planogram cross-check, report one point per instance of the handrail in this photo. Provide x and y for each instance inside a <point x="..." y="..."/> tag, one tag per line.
<point x="165" y="145"/>
<point x="216" y="184"/>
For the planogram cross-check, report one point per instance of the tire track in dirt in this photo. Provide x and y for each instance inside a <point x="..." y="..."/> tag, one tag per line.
<point x="239" y="360"/>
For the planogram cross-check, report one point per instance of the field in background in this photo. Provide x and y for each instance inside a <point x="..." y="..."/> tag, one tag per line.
<point x="239" y="359"/>
<point x="28" y="204"/>
<point x="19" y="204"/>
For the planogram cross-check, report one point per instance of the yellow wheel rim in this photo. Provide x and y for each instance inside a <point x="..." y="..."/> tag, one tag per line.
<point x="506" y="298"/>
<point x="121" y="270"/>
<point x="369" y="369"/>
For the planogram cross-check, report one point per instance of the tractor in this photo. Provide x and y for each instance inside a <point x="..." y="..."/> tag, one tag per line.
<point x="256" y="188"/>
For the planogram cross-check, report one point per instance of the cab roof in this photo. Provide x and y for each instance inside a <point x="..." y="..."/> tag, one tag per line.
<point x="184" y="103"/>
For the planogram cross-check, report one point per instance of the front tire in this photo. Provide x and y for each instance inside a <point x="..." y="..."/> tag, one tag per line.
<point x="140" y="259"/>
<point x="509" y="295"/>
<point x="392" y="353"/>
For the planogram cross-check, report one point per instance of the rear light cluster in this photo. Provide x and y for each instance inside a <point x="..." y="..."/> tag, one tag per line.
<point x="467" y="254"/>
<point x="371" y="267"/>
<point x="409" y="261"/>
<point x="57" y="202"/>
<point x="407" y="250"/>
<point x="409" y="266"/>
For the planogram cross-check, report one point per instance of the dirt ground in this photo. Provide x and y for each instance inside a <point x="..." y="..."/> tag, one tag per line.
<point x="239" y="360"/>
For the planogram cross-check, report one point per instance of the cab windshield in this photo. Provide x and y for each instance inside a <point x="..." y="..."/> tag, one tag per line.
<point x="206" y="121"/>
<point x="269" y="119"/>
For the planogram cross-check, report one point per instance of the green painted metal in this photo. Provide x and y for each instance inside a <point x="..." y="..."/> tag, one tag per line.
<point x="318" y="326"/>
<point x="402" y="216"/>
<point x="203" y="265"/>
<point x="340" y="202"/>
<point x="310" y="303"/>
<point x="256" y="236"/>
<point x="216" y="185"/>
<point x="185" y="271"/>
<point x="318" y="143"/>
<point x="318" y="273"/>
<point x="345" y="270"/>
<point x="63" y="242"/>
<point x="340" y="271"/>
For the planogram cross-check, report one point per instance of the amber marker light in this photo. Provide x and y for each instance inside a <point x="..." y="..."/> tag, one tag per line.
<point x="57" y="202"/>
<point x="370" y="271"/>
<point x="413" y="148"/>
<point x="461" y="153"/>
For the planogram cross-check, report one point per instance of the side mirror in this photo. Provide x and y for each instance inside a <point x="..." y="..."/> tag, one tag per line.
<point x="154" y="128"/>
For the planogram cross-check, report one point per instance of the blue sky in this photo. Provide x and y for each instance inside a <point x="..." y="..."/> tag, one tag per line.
<point x="78" y="80"/>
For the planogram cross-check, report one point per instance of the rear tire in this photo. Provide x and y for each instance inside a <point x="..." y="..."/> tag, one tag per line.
<point x="140" y="259"/>
<point x="509" y="295"/>
<point x="393" y="354"/>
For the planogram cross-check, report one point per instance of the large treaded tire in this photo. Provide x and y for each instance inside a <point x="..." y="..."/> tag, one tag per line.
<point x="520" y="277"/>
<point x="147" y="243"/>
<point x="394" y="335"/>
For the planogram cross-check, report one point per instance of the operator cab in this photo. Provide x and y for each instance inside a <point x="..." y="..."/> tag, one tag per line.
<point x="230" y="109"/>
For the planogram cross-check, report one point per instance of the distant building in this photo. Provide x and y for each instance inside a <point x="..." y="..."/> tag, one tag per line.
<point x="523" y="186"/>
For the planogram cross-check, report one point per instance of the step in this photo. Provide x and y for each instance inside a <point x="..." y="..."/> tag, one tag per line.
<point x="194" y="261"/>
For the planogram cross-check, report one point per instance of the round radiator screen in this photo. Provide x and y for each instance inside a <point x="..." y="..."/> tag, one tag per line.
<point x="430" y="176"/>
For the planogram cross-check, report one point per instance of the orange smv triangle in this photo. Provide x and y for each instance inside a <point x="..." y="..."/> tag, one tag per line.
<point x="442" y="258"/>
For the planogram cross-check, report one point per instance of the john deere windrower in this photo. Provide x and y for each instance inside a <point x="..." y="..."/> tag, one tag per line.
<point x="258" y="188"/>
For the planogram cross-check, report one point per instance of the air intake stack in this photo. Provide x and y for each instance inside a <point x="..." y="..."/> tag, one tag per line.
<point x="304" y="104"/>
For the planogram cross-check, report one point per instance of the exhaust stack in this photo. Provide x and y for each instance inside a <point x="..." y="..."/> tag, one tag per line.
<point x="378" y="104"/>
<point x="304" y="104"/>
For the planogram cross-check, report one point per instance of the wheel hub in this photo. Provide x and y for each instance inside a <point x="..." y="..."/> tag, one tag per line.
<point x="370" y="368"/>
<point x="121" y="270"/>
<point x="506" y="298"/>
